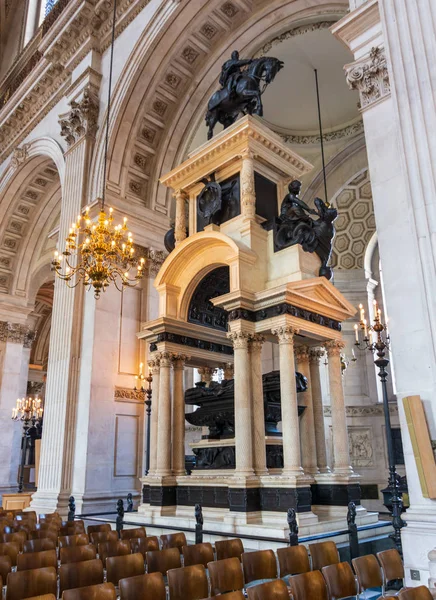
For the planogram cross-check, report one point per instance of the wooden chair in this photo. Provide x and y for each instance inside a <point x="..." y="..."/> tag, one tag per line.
<point x="77" y="554"/>
<point x="144" y="545"/>
<point x="121" y="567"/>
<point x="18" y="538"/>
<point x="323" y="554"/>
<point x="392" y="565"/>
<point x="37" y="560"/>
<point x="293" y="561"/>
<point x="225" y="575"/>
<point x="101" y="591"/>
<point x="229" y="549"/>
<point x="10" y="549"/>
<point x="369" y="574"/>
<point x="308" y="585"/>
<point x="340" y="581"/>
<point x="103" y="528"/>
<point x="44" y="597"/>
<point x="118" y="548"/>
<point x="198" y="554"/>
<point x="162" y="560"/>
<point x="418" y="593"/>
<point x="5" y="567"/>
<point x="272" y="590"/>
<point x="137" y="532"/>
<point x="143" y="587"/>
<point x="173" y="540"/>
<point x="188" y="583"/>
<point x="25" y="584"/>
<point x="50" y="517"/>
<point x="75" y="575"/>
<point x="66" y="541"/>
<point x="103" y="536"/>
<point x="259" y="566"/>
<point x="72" y="528"/>
<point x="229" y="596"/>
<point x="39" y="545"/>
<point x="41" y="534"/>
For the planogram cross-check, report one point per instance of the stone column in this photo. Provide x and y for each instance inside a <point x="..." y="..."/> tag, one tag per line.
<point x="243" y="412"/>
<point x="307" y="424"/>
<point x="248" y="195"/>
<point x="155" y="372"/>
<point x="318" y="409"/>
<point x="206" y="374"/>
<point x="228" y="370"/>
<point x="288" y="393"/>
<point x="180" y="225"/>
<point x="339" y="421"/>
<point x="259" y="448"/>
<point x="57" y="447"/>
<point x="163" y="453"/>
<point x="179" y="416"/>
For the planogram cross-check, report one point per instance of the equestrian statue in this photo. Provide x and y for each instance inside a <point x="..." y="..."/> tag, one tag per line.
<point x="242" y="82"/>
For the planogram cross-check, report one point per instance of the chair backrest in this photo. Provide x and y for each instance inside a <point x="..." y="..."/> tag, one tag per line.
<point x="198" y="554"/>
<point x="138" y="532"/>
<point x="43" y="597"/>
<point x="368" y="572"/>
<point x="340" y="580"/>
<point x="118" y="548"/>
<point x="188" y="583"/>
<point x="74" y="554"/>
<point x="103" y="536"/>
<point x="74" y="575"/>
<point x="101" y="591"/>
<point x="229" y="549"/>
<point x="66" y="541"/>
<point x="40" y="534"/>
<point x="308" y="585"/>
<point x="10" y="549"/>
<point x="173" y="540"/>
<point x="5" y="566"/>
<point x="323" y="554"/>
<point x="293" y="560"/>
<point x="25" y="584"/>
<point x="273" y="590"/>
<point x="225" y="575"/>
<point x="18" y="538"/>
<point x="161" y="561"/>
<point x="418" y="593"/>
<point x="120" y="567"/>
<point x="229" y="596"/>
<point x="37" y="560"/>
<point x="103" y="528"/>
<point x="72" y="528"/>
<point x="392" y="564"/>
<point x="39" y="545"/>
<point x="144" y="545"/>
<point x="143" y="587"/>
<point x="261" y="564"/>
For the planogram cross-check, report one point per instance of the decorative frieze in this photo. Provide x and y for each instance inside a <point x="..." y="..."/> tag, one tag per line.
<point x="128" y="395"/>
<point x="370" y="77"/>
<point x="372" y="410"/>
<point x="16" y="333"/>
<point x="81" y="120"/>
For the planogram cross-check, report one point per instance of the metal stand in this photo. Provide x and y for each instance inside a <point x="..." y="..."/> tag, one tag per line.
<point x="148" y="392"/>
<point x="26" y="427"/>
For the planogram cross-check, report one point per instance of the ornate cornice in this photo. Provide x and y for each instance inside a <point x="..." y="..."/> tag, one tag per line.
<point x="184" y="340"/>
<point x="82" y="119"/>
<point x="373" y="410"/>
<point x="16" y="333"/>
<point x="330" y="136"/>
<point x="295" y="32"/>
<point x="370" y="77"/>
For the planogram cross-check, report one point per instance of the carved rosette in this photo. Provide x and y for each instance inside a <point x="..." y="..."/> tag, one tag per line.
<point x="239" y="339"/>
<point x="370" y="77"/>
<point x="315" y="355"/>
<point x="17" y="334"/>
<point x="285" y="334"/>
<point x="82" y="119"/>
<point x="248" y="195"/>
<point x="334" y="347"/>
<point x="19" y="156"/>
<point x="302" y="354"/>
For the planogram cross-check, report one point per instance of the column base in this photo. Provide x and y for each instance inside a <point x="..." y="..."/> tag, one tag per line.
<point x="159" y="491"/>
<point x="49" y="502"/>
<point x="336" y="489"/>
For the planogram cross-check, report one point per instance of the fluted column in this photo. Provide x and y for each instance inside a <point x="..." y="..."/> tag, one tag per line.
<point x="318" y="410"/>
<point x="288" y="394"/>
<point x="179" y="416"/>
<point x="243" y="412"/>
<point x="248" y="195"/>
<point x="180" y="224"/>
<point x="57" y="447"/>
<point x="155" y="372"/>
<point x="259" y="449"/>
<point x="163" y="465"/>
<point x="307" y="425"/>
<point x="339" y="423"/>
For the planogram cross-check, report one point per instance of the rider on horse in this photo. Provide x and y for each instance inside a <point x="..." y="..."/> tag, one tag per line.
<point x="231" y="72"/>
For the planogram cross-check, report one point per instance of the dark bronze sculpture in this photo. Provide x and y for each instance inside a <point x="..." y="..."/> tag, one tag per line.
<point x="296" y="226"/>
<point x="241" y="90"/>
<point x="209" y="201"/>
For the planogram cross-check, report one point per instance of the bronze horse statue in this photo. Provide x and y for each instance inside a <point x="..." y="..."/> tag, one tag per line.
<point x="244" y="95"/>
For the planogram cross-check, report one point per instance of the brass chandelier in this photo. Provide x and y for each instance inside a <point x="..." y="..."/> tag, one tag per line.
<point x="98" y="253"/>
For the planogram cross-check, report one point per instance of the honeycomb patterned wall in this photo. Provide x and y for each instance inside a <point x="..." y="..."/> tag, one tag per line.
<point x="355" y="224"/>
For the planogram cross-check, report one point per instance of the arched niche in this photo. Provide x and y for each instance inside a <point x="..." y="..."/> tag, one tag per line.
<point x="201" y="310"/>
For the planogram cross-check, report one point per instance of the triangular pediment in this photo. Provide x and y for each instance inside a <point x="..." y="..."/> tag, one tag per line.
<point x="320" y="293"/>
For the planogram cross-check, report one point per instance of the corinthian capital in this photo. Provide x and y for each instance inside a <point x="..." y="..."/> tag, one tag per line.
<point x="285" y="334"/>
<point x="302" y="354"/>
<point x="239" y="338"/>
<point x="369" y="77"/>
<point x="315" y="355"/>
<point x="81" y="120"/>
<point x="334" y="347"/>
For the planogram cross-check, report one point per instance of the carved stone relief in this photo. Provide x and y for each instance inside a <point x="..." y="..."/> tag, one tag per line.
<point x="361" y="447"/>
<point x="82" y="118"/>
<point x="370" y="77"/>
